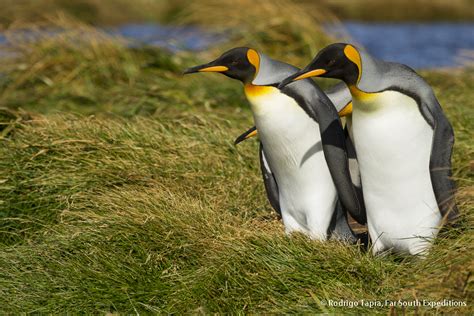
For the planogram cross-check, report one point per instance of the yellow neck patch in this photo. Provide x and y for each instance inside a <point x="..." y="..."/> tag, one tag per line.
<point x="346" y="110"/>
<point x="252" y="91"/>
<point x="254" y="59"/>
<point x="353" y="55"/>
<point x="361" y="95"/>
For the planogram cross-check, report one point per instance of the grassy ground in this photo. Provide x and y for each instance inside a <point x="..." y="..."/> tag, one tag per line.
<point x="121" y="191"/>
<point x="402" y="10"/>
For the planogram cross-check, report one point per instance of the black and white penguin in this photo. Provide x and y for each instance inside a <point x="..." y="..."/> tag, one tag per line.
<point x="403" y="143"/>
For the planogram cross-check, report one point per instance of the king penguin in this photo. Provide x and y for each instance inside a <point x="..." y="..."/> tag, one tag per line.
<point x="303" y="147"/>
<point x="403" y="143"/>
<point x="342" y="100"/>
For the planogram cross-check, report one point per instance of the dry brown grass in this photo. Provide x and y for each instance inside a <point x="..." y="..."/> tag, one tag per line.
<point x="63" y="51"/>
<point x="402" y="10"/>
<point x="268" y="25"/>
<point x="166" y="215"/>
<point x="103" y="12"/>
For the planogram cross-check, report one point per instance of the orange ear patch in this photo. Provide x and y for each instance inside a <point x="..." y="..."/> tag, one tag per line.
<point x="353" y="55"/>
<point x="253" y="58"/>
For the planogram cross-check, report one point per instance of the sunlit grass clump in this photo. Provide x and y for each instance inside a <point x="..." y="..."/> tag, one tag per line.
<point x="298" y="26"/>
<point x="75" y="67"/>
<point x="166" y="215"/>
<point x="270" y="25"/>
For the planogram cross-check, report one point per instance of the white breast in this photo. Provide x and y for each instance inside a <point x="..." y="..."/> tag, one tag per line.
<point x="393" y="144"/>
<point x="292" y="144"/>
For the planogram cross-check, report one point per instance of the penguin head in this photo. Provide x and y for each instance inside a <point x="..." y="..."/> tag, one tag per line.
<point x="239" y="63"/>
<point x="338" y="61"/>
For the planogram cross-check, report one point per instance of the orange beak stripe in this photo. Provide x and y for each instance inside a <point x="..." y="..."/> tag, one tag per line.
<point x="252" y="134"/>
<point x="312" y="73"/>
<point x="346" y="110"/>
<point x="214" y="69"/>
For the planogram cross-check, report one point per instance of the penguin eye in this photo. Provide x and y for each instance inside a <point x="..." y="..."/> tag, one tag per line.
<point x="235" y="62"/>
<point x="331" y="62"/>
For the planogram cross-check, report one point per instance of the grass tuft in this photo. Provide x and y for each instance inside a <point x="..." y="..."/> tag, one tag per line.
<point x="268" y="26"/>
<point x="146" y="215"/>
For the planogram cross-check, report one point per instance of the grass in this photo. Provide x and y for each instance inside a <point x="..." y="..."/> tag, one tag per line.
<point x="121" y="192"/>
<point x="108" y="12"/>
<point x="166" y="215"/>
<point x="112" y="12"/>
<point x="402" y="10"/>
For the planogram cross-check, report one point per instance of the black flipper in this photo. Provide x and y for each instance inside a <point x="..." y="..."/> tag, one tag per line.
<point x="245" y="135"/>
<point x="271" y="186"/>
<point x="318" y="106"/>
<point x="354" y="168"/>
<point x="440" y="161"/>
<point x="334" y="147"/>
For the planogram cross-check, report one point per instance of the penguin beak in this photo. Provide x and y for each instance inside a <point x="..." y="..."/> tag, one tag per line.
<point x="346" y="110"/>
<point x="303" y="74"/>
<point x="248" y="134"/>
<point x="210" y="67"/>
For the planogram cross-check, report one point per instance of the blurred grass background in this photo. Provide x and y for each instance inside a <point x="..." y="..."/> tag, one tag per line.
<point x="109" y="12"/>
<point x="121" y="190"/>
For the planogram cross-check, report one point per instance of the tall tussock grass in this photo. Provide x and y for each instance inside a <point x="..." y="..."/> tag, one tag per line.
<point x="113" y="12"/>
<point x="298" y="26"/>
<point x="165" y="215"/>
<point x="65" y="64"/>
<point x="64" y="50"/>
<point x="96" y="12"/>
<point x="268" y="25"/>
<point x="402" y="10"/>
